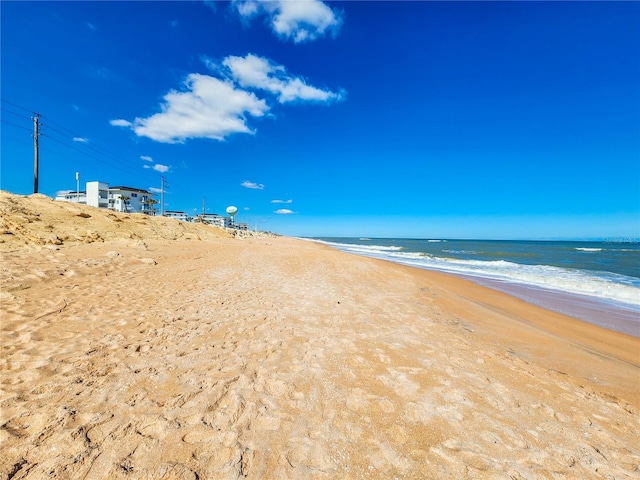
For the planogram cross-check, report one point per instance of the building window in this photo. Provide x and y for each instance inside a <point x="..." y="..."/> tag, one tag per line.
<point x="134" y="195"/>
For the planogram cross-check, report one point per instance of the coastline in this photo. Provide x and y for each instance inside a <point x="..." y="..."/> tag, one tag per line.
<point x="152" y="357"/>
<point x="610" y="315"/>
<point x="607" y="313"/>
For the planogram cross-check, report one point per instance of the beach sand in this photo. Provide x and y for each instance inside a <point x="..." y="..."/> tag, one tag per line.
<point x="145" y="348"/>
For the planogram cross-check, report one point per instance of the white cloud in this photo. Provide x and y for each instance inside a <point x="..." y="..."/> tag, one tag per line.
<point x="281" y="201"/>
<point x="284" y="211"/>
<point x="210" y="108"/>
<point x="247" y="8"/>
<point x="300" y="21"/>
<point x="146" y="166"/>
<point x="154" y="190"/>
<point x="120" y="123"/>
<point x="253" y="185"/>
<point x="80" y="140"/>
<point x="146" y="158"/>
<point x="91" y="26"/>
<point x="161" y="168"/>
<point x="252" y="71"/>
<point x="211" y="4"/>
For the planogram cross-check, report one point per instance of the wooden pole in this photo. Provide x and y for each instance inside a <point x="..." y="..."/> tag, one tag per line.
<point x="36" y="153"/>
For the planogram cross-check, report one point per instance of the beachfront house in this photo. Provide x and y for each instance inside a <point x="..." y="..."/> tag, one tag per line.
<point x="177" y="215"/>
<point x="73" y="197"/>
<point x="119" y="199"/>
<point x="242" y="226"/>
<point x="215" y="220"/>
<point x="128" y="199"/>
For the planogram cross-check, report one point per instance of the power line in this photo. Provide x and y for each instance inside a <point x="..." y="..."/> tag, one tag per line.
<point x="49" y="121"/>
<point x="67" y="138"/>
<point x="163" y="184"/>
<point x="14" y="125"/>
<point x="89" y="145"/>
<point x="118" y="162"/>
<point x="66" y="131"/>
<point x="77" y="135"/>
<point x="19" y="106"/>
<point x="21" y="115"/>
<point x="109" y="164"/>
<point x="6" y="138"/>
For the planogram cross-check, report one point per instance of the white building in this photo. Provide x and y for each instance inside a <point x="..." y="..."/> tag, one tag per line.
<point x="119" y="199"/>
<point x="73" y="197"/>
<point x="128" y="199"/>
<point x="98" y="194"/>
<point x="177" y="215"/>
<point x="215" y="220"/>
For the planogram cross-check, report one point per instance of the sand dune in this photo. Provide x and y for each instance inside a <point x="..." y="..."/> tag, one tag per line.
<point x="38" y="220"/>
<point x="144" y="348"/>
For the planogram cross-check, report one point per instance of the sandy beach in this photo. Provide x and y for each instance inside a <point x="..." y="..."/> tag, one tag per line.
<point x="146" y="348"/>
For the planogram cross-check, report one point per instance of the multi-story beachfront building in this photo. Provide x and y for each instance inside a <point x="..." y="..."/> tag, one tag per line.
<point x="119" y="199"/>
<point x="177" y="215"/>
<point x="128" y="199"/>
<point x="215" y="220"/>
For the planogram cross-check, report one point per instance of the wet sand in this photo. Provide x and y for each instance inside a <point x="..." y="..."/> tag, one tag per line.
<point x="611" y="315"/>
<point x="136" y="349"/>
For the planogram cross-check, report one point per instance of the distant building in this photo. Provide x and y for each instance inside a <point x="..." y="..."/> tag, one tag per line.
<point x="215" y="220"/>
<point x="98" y="194"/>
<point x="241" y="226"/>
<point x="128" y="199"/>
<point x="119" y="199"/>
<point x="177" y="215"/>
<point x="73" y="197"/>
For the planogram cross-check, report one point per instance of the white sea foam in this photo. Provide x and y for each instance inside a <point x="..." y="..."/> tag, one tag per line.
<point x="355" y="248"/>
<point x="606" y="286"/>
<point x="585" y="249"/>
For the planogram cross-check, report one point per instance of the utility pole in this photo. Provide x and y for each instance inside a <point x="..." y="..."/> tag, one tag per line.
<point x="36" y="151"/>
<point x="161" y="196"/>
<point x="204" y="205"/>
<point x="163" y="185"/>
<point x="77" y="187"/>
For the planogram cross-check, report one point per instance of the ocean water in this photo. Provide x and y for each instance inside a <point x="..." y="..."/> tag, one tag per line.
<point x="598" y="282"/>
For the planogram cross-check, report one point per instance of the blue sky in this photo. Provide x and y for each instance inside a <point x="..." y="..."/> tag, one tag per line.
<point x="406" y="119"/>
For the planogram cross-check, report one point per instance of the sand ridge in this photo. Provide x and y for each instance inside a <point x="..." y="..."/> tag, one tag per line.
<point x="142" y="357"/>
<point x="38" y="220"/>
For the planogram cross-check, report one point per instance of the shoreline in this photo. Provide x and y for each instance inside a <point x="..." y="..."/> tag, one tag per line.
<point x="607" y="314"/>
<point x="610" y="314"/>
